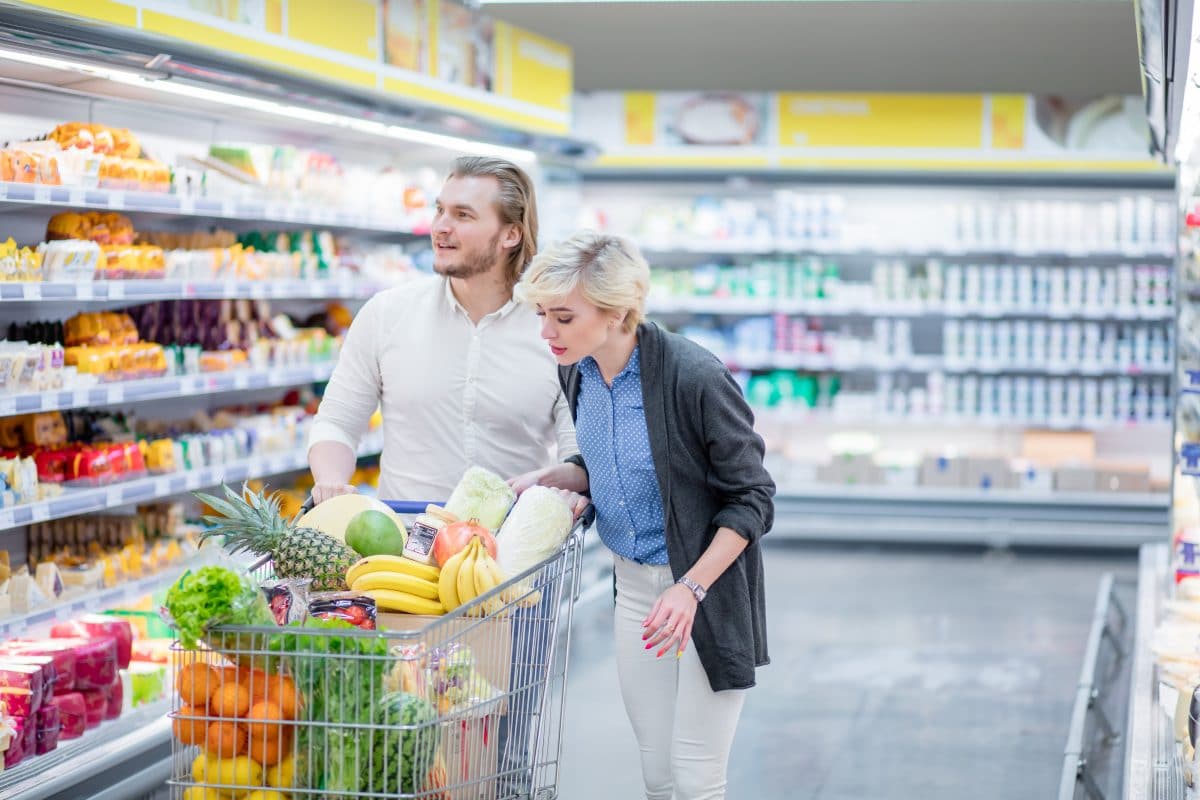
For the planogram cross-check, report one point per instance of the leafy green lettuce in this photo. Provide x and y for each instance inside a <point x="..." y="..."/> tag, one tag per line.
<point x="212" y="596"/>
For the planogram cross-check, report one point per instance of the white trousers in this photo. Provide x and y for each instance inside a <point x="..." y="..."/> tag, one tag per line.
<point x="684" y="729"/>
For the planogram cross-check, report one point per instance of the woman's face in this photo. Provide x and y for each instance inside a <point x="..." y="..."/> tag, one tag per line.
<point x="575" y="328"/>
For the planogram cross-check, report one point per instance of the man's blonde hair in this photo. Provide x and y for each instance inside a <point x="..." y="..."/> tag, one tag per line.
<point x="516" y="204"/>
<point x="609" y="270"/>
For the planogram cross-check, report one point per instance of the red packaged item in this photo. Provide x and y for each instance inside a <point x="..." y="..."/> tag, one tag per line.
<point x="95" y="661"/>
<point x="95" y="703"/>
<point x="88" y="467"/>
<point x="359" y="610"/>
<point x="45" y="664"/>
<point x="21" y="681"/>
<point x="96" y="626"/>
<point x="116" y="699"/>
<point x="21" y="745"/>
<point x="62" y="655"/>
<point x="51" y="465"/>
<point x="72" y="714"/>
<point x="48" y="725"/>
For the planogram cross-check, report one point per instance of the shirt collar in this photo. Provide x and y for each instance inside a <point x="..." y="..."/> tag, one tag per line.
<point x="456" y="306"/>
<point x="589" y="366"/>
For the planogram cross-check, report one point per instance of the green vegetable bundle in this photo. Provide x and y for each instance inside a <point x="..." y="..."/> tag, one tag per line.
<point x="212" y="596"/>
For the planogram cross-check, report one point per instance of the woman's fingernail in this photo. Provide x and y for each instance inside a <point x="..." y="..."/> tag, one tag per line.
<point x="650" y="645"/>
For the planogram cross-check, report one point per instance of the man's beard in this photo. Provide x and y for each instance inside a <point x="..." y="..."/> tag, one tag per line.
<point x="471" y="265"/>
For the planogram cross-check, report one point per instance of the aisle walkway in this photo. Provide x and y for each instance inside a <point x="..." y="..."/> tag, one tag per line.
<point x="896" y="675"/>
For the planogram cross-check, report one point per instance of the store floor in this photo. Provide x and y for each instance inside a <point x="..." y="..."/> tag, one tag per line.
<point x="896" y="674"/>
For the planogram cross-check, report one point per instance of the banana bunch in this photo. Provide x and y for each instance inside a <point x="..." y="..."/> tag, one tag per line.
<point x="397" y="584"/>
<point x="468" y="574"/>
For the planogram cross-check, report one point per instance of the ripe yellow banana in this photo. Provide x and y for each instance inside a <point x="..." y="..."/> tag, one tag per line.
<point x="398" y="582"/>
<point x="390" y="600"/>
<point x="483" y="575"/>
<point x="466" y="574"/>
<point x="448" y="581"/>
<point x="407" y="566"/>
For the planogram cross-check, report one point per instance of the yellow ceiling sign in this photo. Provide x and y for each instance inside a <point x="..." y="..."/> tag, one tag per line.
<point x="880" y="120"/>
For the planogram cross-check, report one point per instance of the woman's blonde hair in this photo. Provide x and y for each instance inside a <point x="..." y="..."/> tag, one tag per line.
<point x="609" y="270"/>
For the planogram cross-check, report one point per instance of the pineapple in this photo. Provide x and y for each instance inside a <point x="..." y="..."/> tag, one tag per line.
<point x="251" y="522"/>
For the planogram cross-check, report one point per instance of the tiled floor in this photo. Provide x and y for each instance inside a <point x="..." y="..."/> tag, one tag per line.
<point x="897" y="673"/>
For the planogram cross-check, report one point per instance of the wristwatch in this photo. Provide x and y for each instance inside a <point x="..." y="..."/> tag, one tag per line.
<point x="695" y="588"/>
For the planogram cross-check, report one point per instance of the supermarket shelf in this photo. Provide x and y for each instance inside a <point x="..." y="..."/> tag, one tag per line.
<point x="871" y="419"/>
<point x="1152" y="768"/>
<point x="141" y="291"/>
<point x="800" y="247"/>
<point x="818" y="362"/>
<point x="133" y="745"/>
<point x="93" y="601"/>
<point x="993" y="518"/>
<point x="74" y="502"/>
<point x="754" y="306"/>
<point x="28" y="194"/>
<point x="164" y="388"/>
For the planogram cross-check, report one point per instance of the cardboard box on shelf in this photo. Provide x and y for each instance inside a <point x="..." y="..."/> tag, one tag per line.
<point x="943" y="471"/>
<point x="1075" y="479"/>
<point x="988" y="473"/>
<point x="1122" y="478"/>
<point x="1058" y="448"/>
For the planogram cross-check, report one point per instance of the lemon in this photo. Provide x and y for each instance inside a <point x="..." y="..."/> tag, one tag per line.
<point x="283" y="774"/>
<point x="265" y="794"/>
<point x="240" y="772"/>
<point x="201" y="793"/>
<point x="199" y="768"/>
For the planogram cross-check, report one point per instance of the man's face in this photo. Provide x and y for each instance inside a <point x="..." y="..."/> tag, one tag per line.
<point x="467" y="235"/>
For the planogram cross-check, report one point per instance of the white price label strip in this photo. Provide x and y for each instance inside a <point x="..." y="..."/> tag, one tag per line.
<point x="112" y="497"/>
<point x="80" y="398"/>
<point x="116" y="200"/>
<point x="162" y="486"/>
<point x="116" y="394"/>
<point x="116" y="291"/>
<point x="241" y="381"/>
<point x="194" y="480"/>
<point x="84" y="291"/>
<point x="33" y="291"/>
<point x="187" y="205"/>
<point x="6" y="518"/>
<point x="41" y="512"/>
<point x="41" y="194"/>
<point x="8" y="406"/>
<point x="77" y="197"/>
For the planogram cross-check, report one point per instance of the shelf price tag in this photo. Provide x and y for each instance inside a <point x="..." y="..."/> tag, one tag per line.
<point x="41" y="194"/>
<point x="187" y="204"/>
<point x="80" y="398"/>
<point x="194" y="480"/>
<point x="112" y="497"/>
<point x="33" y="291"/>
<point x="241" y="381"/>
<point x="41" y="512"/>
<point x="116" y="394"/>
<point x="162" y="487"/>
<point x="84" y="291"/>
<point x="6" y="518"/>
<point x="77" y="197"/>
<point x="8" y="406"/>
<point x="116" y="290"/>
<point x="116" y="200"/>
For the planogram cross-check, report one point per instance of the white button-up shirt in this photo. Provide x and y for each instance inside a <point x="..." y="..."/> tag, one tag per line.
<point x="452" y="393"/>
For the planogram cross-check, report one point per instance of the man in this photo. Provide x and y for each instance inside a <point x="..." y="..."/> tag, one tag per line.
<point x="463" y="378"/>
<point x="457" y="367"/>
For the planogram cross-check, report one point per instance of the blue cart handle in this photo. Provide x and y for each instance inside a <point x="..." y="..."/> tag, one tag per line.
<point x="410" y="506"/>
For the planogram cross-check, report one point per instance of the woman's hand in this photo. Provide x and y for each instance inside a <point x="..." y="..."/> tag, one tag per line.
<point x="570" y="477"/>
<point x="576" y="501"/>
<point x="670" y="621"/>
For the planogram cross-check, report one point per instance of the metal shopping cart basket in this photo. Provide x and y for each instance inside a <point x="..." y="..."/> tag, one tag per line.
<point x="465" y="706"/>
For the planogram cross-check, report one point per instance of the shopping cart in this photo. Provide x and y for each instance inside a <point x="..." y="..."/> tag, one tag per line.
<point x="465" y="706"/>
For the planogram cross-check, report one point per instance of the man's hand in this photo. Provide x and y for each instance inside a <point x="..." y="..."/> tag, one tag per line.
<point x="323" y="491"/>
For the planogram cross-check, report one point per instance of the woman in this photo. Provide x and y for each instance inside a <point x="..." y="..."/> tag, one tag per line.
<point x="675" y="471"/>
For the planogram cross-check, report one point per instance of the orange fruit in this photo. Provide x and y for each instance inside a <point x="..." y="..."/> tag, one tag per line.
<point x="231" y="700"/>
<point x="264" y="720"/>
<point x="190" y="731"/>
<point x="196" y="683"/>
<point x="257" y="681"/>
<point x="225" y="739"/>
<point x="282" y="692"/>
<point x="269" y="751"/>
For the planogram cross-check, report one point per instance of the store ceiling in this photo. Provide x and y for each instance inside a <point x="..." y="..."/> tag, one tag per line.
<point x="1079" y="47"/>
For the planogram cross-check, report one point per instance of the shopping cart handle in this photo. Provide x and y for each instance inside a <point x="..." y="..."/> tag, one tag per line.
<point x="410" y="506"/>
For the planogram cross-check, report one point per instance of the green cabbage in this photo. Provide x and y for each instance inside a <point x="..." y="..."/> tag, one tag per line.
<point x="538" y="525"/>
<point x="481" y="495"/>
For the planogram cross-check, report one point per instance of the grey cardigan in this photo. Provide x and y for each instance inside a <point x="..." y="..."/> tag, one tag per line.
<point x="709" y="463"/>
